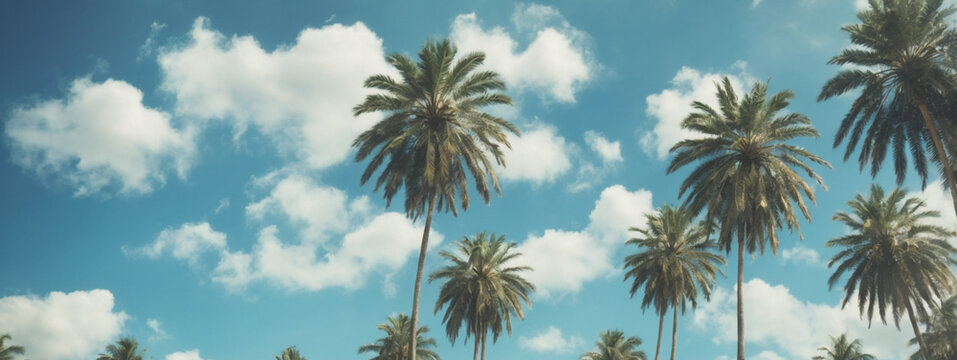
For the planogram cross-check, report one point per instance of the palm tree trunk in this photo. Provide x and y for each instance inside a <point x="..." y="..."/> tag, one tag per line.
<point x="935" y="136"/>
<point x="661" y="323"/>
<point x="418" y="277"/>
<point x="920" y="337"/>
<point x="674" y="333"/>
<point x="484" y="335"/>
<point x="740" y="295"/>
<point x="475" y="353"/>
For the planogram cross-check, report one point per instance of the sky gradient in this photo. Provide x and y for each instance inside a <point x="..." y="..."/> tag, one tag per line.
<point x="181" y="172"/>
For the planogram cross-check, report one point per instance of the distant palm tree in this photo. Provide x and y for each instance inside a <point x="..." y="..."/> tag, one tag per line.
<point x="674" y="261"/>
<point x="289" y="353"/>
<point x="842" y="349"/>
<point x="124" y="349"/>
<point x="434" y="134"/>
<point x="7" y="352"/>
<point x="896" y="260"/>
<point x="482" y="289"/>
<point x="941" y="337"/>
<point x="395" y="344"/>
<point x="747" y="180"/>
<point x="903" y="62"/>
<point x="612" y="345"/>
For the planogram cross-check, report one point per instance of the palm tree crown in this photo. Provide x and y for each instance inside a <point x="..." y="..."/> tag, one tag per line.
<point x="748" y="176"/>
<point x="290" y="353"/>
<point x="842" y="349"/>
<point x="903" y="61"/>
<point x="895" y="260"/>
<point x="7" y="352"/>
<point x="941" y="336"/>
<point x="434" y="134"/>
<point x="612" y="345"/>
<point x="395" y="344"/>
<point x="482" y="289"/>
<point x="124" y="349"/>
<point x="675" y="262"/>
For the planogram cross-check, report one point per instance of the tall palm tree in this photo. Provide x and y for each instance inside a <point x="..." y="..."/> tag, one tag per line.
<point x="289" y="353"/>
<point x="903" y="61"/>
<point x="612" y="345"/>
<point x="675" y="259"/>
<point x="433" y="135"/>
<point x="747" y="180"/>
<point x="941" y="337"/>
<point x="395" y="345"/>
<point x="842" y="349"/>
<point x="894" y="258"/>
<point x="7" y="352"/>
<point x="482" y="289"/>
<point x="124" y="349"/>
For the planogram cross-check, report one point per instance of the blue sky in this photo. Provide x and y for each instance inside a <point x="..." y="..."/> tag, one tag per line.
<point x="180" y="172"/>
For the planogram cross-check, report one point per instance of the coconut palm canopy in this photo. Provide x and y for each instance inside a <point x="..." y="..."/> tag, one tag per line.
<point x="183" y="172"/>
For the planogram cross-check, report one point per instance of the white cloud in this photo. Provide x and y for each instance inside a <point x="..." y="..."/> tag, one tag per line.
<point x="591" y="173"/>
<point x="539" y="156"/>
<point x="100" y="135"/>
<point x="562" y="261"/>
<point x="222" y="205"/>
<point x="382" y="245"/>
<point x="809" y="325"/>
<point x="158" y="332"/>
<point x="185" y="355"/>
<point x="609" y="151"/>
<point x="551" y="341"/>
<point x="671" y="106"/>
<point x="318" y="210"/>
<point x="62" y="325"/>
<point x="556" y="61"/>
<point x="803" y="255"/>
<point x="755" y="3"/>
<point x="768" y="355"/>
<point x="150" y="44"/>
<point x="938" y="198"/>
<point x="188" y="242"/>
<point x="300" y="94"/>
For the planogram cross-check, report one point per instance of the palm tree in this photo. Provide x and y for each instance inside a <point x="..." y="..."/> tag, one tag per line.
<point x="841" y="349"/>
<point x="124" y="349"/>
<point x="612" y="345"/>
<point x="748" y="176"/>
<point x="941" y="337"/>
<point x="289" y="353"/>
<point x="903" y="62"/>
<point x="675" y="259"/>
<point x="482" y="289"/>
<point x="395" y="344"/>
<point x="434" y="134"/>
<point x="896" y="260"/>
<point x="7" y="352"/>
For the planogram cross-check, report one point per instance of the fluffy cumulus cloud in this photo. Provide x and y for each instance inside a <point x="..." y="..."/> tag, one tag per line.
<point x="803" y="255"/>
<point x="808" y="324"/>
<point x="539" y="156"/>
<point x="555" y="63"/>
<point x="564" y="260"/>
<point x="185" y="355"/>
<point x="669" y="107"/>
<point x="552" y="341"/>
<point x="62" y="325"/>
<point x="100" y="136"/>
<point x="609" y="151"/>
<point x="300" y="94"/>
<point x="937" y="198"/>
<point x="187" y="242"/>
<point x="339" y="242"/>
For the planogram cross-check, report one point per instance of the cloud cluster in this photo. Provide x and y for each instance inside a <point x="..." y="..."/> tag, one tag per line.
<point x="100" y="135"/>
<point x="300" y="95"/>
<point x="539" y="156"/>
<point x="669" y="107"/>
<point x="551" y="341"/>
<point x="185" y="355"/>
<point x="564" y="260"/>
<point x="803" y="255"/>
<point x="556" y="62"/>
<point x="340" y="242"/>
<point x="62" y="325"/>
<point x="808" y="324"/>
